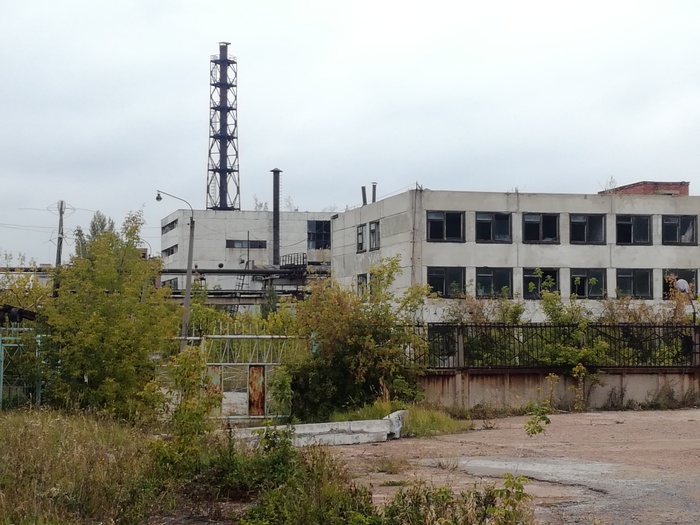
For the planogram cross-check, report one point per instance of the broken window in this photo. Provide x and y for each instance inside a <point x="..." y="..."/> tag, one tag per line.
<point x="633" y="229"/>
<point x="679" y="229"/>
<point x="168" y="227"/>
<point x="447" y="281"/>
<point x="374" y="235"/>
<point x="670" y="276"/>
<point x="541" y="227"/>
<point x="636" y="283"/>
<point x="494" y="282"/>
<point x="493" y="227"/>
<point x="253" y="244"/>
<point x="587" y="229"/>
<point x="362" y="283"/>
<point x="536" y="280"/>
<point x="361" y="246"/>
<point x="169" y="251"/>
<point x="319" y="235"/>
<point x="446" y="226"/>
<point x="588" y="283"/>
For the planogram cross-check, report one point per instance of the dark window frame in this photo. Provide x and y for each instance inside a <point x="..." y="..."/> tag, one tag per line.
<point x="634" y="276"/>
<point x="530" y="275"/>
<point x="374" y="236"/>
<point x="586" y="222"/>
<point x="245" y="244"/>
<point x="168" y="227"/>
<point x="584" y="275"/>
<point x="542" y="238"/>
<point x="361" y="238"/>
<point x="689" y="274"/>
<point x="318" y="234"/>
<point x="171" y="250"/>
<point x="441" y="229"/>
<point x="489" y="273"/>
<point x="665" y="219"/>
<point x="435" y="273"/>
<point x="482" y="218"/>
<point x="634" y="221"/>
<point x="362" y="283"/>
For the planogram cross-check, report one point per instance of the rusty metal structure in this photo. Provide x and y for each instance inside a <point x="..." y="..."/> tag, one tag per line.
<point x="242" y="366"/>
<point x="223" y="179"/>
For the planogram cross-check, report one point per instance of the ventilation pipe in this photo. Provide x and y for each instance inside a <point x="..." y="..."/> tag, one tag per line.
<point x="374" y="192"/>
<point x="364" y="196"/>
<point x="276" y="216"/>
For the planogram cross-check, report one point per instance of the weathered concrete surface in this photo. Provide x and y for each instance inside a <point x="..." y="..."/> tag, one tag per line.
<point x="514" y="388"/>
<point x="341" y="432"/>
<point x="619" y="468"/>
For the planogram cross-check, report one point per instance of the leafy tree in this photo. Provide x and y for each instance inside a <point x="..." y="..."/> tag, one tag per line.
<point x="107" y="324"/>
<point x="98" y="225"/>
<point x="359" y="344"/>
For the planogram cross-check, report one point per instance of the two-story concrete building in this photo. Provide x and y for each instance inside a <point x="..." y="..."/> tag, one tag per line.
<point x="624" y="240"/>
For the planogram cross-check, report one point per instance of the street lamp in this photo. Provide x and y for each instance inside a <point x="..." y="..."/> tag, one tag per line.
<point x="188" y="278"/>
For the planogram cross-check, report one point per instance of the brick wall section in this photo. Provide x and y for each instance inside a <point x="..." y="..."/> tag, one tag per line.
<point x="651" y="188"/>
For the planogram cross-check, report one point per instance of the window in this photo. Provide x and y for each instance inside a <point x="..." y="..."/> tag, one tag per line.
<point x="493" y="227"/>
<point x="671" y="275"/>
<point x="588" y="283"/>
<point x="448" y="281"/>
<point x="494" y="282"/>
<point x="541" y="227"/>
<point x="172" y="283"/>
<point x="168" y="227"/>
<point x="587" y="229"/>
<point x="679" y="229"/>
<point x="635" y="283"/>
<point x="536" y="280"/>
<point x="169" y="251"/>
<point x="361" y="246"/>
<point x="633" y="229"/>
<point x="362" y="283"/>
<point x="245" y="244"/>
<point x="319" y="235"/>
<point x="446" y="226"/>
<point x="374" y="235"/>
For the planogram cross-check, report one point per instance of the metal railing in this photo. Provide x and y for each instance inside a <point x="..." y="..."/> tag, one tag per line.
<point x="541" y="345"/>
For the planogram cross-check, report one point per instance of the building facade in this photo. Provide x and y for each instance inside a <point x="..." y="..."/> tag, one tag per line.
<point x="488" y="244"/>
<point x="241" y="240"/>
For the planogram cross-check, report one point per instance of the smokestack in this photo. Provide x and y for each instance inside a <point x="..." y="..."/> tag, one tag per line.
<point x="364" y="196"/>
<point x="374" y="192"/>
<point x="276" y="216"/>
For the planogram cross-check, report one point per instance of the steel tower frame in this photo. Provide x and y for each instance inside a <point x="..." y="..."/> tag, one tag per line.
<point x="223" y="179"/>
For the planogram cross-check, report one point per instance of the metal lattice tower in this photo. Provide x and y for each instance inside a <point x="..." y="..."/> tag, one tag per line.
<point x="223" y="181"/>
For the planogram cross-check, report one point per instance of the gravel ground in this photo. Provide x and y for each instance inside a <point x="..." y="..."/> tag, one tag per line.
<point x="614" y="468"/>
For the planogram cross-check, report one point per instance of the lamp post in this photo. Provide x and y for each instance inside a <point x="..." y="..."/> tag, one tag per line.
<point x="188" y="278"/>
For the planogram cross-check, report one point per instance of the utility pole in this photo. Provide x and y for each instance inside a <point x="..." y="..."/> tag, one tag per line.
<point x="59" y="245"/>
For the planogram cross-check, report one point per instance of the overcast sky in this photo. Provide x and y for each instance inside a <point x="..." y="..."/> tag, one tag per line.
<point x="103" y="102"/>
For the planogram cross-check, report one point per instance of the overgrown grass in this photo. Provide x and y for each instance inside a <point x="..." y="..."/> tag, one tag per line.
<point x="422" y="420"/>
<point x="57" y="468"/>
<point x="425" y="422"/>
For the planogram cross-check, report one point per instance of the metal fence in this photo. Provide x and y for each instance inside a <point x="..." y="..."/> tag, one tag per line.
<point x="540" y="345"/>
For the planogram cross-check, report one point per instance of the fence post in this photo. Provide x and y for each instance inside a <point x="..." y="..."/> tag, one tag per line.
<point x="696" y="345"/>
<point x="459" y="341"/>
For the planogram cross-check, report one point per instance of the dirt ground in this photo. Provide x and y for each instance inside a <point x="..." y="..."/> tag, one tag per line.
<point x="614" y="468"/>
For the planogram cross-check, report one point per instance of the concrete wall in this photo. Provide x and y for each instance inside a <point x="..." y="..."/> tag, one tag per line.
<point x="514" y="388"/>
<point x="213" y="228"/>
